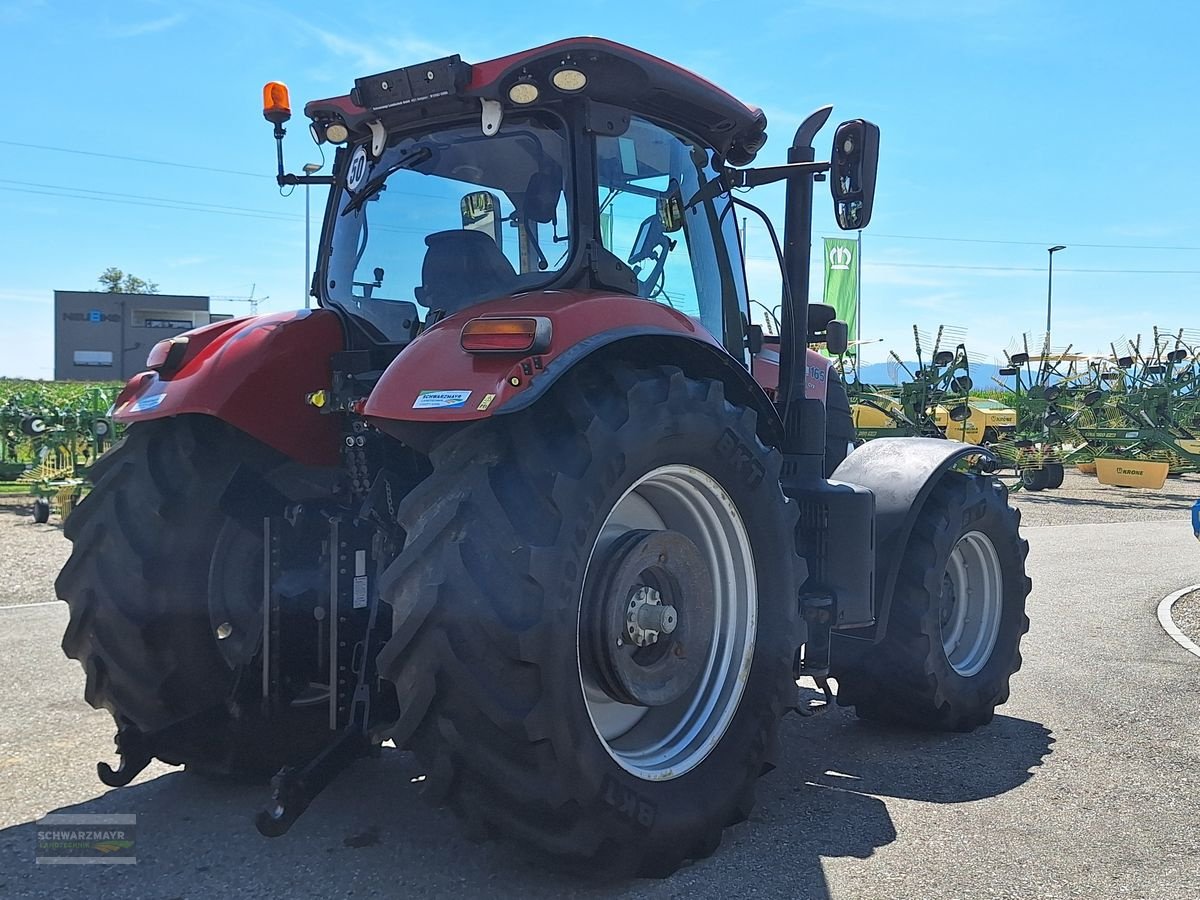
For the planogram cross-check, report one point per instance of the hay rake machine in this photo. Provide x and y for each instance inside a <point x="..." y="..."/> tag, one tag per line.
<point x="50" y="447"/>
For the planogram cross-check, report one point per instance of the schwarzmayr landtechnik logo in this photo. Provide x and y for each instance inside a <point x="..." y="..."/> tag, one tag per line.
<point x="840" y="257"/>
<point x="82" y="839"/>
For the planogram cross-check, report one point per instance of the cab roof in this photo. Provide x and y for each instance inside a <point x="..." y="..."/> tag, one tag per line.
<point x="616" y="75"/>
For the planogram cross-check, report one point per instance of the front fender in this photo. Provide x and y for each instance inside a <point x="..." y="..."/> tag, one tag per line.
<point x="901" y="472"/>
<point x="253" y="373"/>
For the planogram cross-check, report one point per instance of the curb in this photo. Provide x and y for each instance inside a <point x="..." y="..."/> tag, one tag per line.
<point x="1168" y="624"/>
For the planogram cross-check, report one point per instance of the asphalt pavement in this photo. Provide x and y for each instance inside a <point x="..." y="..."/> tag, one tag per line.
<point x="1086" y="785"/>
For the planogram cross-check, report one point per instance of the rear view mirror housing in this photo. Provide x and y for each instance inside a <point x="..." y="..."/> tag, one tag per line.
<point x="837" y="337"/>
<point x="853" y="167"/>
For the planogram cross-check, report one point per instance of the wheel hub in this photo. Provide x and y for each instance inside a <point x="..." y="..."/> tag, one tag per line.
<point x="650" y="615"/>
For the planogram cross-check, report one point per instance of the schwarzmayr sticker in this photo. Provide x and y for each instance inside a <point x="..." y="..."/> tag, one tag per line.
<point x="83" y="838"/>
<point x="441" y="399"/>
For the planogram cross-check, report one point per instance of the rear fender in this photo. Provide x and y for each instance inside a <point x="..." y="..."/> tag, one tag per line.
<point x="253" y="373"/>
<point x="434" y="382"/>
<point x="901" y="472"/>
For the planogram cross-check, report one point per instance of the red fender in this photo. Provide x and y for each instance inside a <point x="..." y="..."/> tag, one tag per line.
<point x="435" y="380"/>
<point x="253" y="373"/>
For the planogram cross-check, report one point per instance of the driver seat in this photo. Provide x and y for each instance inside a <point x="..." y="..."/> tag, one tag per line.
<point x="462" y="268"/>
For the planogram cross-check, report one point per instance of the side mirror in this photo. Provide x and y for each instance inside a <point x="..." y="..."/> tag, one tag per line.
<point x="754" y="339"/>
<point x="853" y="166"/>
<point x="960" y="413"/>
<point x="670" y="208"/>
<point x="837" y="337"/>
<point x="480" y="213"/>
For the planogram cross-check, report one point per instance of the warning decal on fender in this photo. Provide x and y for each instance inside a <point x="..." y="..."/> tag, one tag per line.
<point x="441" y="399"/>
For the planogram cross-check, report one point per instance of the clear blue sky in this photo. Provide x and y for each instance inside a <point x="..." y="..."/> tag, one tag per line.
<point x="1023" y="122"/>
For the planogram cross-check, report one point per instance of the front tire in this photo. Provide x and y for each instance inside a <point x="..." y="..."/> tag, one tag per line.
<point x="954" y="633"/>
<point x="536" y="721"/>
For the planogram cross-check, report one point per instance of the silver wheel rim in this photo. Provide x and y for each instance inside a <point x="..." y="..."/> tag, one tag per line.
<point x="972" y="603"/>
<point x="660" y="743"/>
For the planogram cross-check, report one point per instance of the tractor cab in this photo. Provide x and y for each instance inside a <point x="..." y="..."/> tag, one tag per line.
<point x="582" y="165"/>
<point x="579" y="165"/>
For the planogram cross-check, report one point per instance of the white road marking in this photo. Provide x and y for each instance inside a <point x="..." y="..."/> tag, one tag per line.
<point x="29" y="605"/>
<point x="1168" y="624"/>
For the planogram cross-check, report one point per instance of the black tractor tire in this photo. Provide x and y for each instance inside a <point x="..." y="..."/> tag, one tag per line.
<point x="1054" y="476"/>
<point x="41" y="510"/>
<point x="487" y="600"/>
<point x="137" y="584"/>
<point x="908" y="678"/>
<point x="1035" y="479"/>
<point x="840" y="435"/>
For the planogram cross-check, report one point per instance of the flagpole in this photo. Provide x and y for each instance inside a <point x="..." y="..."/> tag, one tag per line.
<point x="858" y="329"/>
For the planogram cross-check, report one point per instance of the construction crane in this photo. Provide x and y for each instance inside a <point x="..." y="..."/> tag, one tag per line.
<point x="251" y="299"/>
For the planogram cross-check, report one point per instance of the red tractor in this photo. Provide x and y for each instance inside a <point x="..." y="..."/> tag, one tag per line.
<point x="529" y="494"/>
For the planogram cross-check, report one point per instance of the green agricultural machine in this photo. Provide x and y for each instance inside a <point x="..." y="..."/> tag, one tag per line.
<point x="932" y="402"/>
<point x="1144" y="406"/>
<point x="49" y="444"/>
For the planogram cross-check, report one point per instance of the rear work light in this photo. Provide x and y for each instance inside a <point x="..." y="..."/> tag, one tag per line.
<point x="524" y="335"/>
<point x="166" y="356"/>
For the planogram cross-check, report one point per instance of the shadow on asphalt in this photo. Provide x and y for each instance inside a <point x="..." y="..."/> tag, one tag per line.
<point x="370" y="832"/>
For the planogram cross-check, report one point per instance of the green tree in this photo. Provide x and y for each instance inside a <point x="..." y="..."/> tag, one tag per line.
<point x="117" y="282"/>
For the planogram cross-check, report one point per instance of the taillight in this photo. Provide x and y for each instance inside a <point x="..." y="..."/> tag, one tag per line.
<point x="517" y="335"/>
<point x="166" y="356"/>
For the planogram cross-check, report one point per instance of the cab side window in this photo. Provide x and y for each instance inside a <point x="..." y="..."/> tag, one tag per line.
<point x="646" y="176"/>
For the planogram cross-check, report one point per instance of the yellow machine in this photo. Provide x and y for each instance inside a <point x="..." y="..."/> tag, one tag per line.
<point x="990" y="421"/>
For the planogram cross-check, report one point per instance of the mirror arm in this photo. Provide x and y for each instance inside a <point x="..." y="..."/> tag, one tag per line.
<point x="748" y="178"/>
<point x="283" y="179"/>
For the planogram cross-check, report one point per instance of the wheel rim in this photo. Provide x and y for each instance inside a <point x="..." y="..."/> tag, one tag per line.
<point x="972" y="603"/>
<point x="663" y="742"/>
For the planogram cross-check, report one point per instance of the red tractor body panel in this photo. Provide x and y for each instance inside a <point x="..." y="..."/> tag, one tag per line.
<point x="253" y="373"/>
<point x="435" y="380"/>
<point x="816" y="372"/>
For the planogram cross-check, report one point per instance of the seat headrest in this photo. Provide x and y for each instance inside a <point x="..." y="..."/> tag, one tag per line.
<point x="461" y="268"/>
<point x="541" y="196"/>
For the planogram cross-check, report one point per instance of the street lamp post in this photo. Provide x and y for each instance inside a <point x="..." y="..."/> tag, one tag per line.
<point x="309" y="169"/>
<point x="1050" y="286"/>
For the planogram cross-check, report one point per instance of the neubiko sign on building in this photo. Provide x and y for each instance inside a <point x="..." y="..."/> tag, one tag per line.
<point x="102" y="336"/>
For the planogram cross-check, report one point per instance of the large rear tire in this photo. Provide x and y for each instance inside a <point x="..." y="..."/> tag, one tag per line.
<point x="138" y="587"/>
<point x="511" y="579"/>
<point x="954" y="633"/>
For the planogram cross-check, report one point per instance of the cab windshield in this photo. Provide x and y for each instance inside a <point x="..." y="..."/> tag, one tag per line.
<point x="449" y="218"/>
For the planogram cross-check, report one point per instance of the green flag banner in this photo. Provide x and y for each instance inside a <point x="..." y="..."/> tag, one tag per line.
<point x="841" y="280"/>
